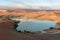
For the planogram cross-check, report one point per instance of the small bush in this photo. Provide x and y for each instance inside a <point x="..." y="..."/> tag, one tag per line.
<point x="26" y="31"/>
<point x="18" y="31"/>
<point x="9" y="19"/>
<point x="16" y="24"/>
<point x="17" y="21"/>
<point x="51" y="28"/>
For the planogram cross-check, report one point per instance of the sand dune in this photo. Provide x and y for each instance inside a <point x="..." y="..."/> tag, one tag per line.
<point x="41" y="15"/>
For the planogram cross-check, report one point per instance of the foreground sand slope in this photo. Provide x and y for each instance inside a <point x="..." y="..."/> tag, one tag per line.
<point x="7" y="32"/>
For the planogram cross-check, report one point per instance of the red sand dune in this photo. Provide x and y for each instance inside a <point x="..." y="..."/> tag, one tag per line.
<point x="41" y="15"/>
<point x="7" y="24"/>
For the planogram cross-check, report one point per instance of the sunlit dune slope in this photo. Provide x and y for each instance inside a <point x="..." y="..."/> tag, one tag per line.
<point x="41" y="15"/>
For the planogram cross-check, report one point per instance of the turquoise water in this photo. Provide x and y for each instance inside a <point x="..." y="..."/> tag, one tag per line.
<point x="35" y="25"/>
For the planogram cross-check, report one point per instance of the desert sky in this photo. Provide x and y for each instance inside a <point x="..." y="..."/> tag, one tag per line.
<point x="30" y="3"/>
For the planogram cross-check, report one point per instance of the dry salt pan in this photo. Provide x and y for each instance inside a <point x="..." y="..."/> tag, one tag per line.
<point x="35" y="25"/>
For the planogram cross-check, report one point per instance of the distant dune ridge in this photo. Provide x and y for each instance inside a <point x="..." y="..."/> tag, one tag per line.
<point x="32" y="14"/>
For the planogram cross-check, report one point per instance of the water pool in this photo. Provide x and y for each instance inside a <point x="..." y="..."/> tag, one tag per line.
<point x="35" y="25"/>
